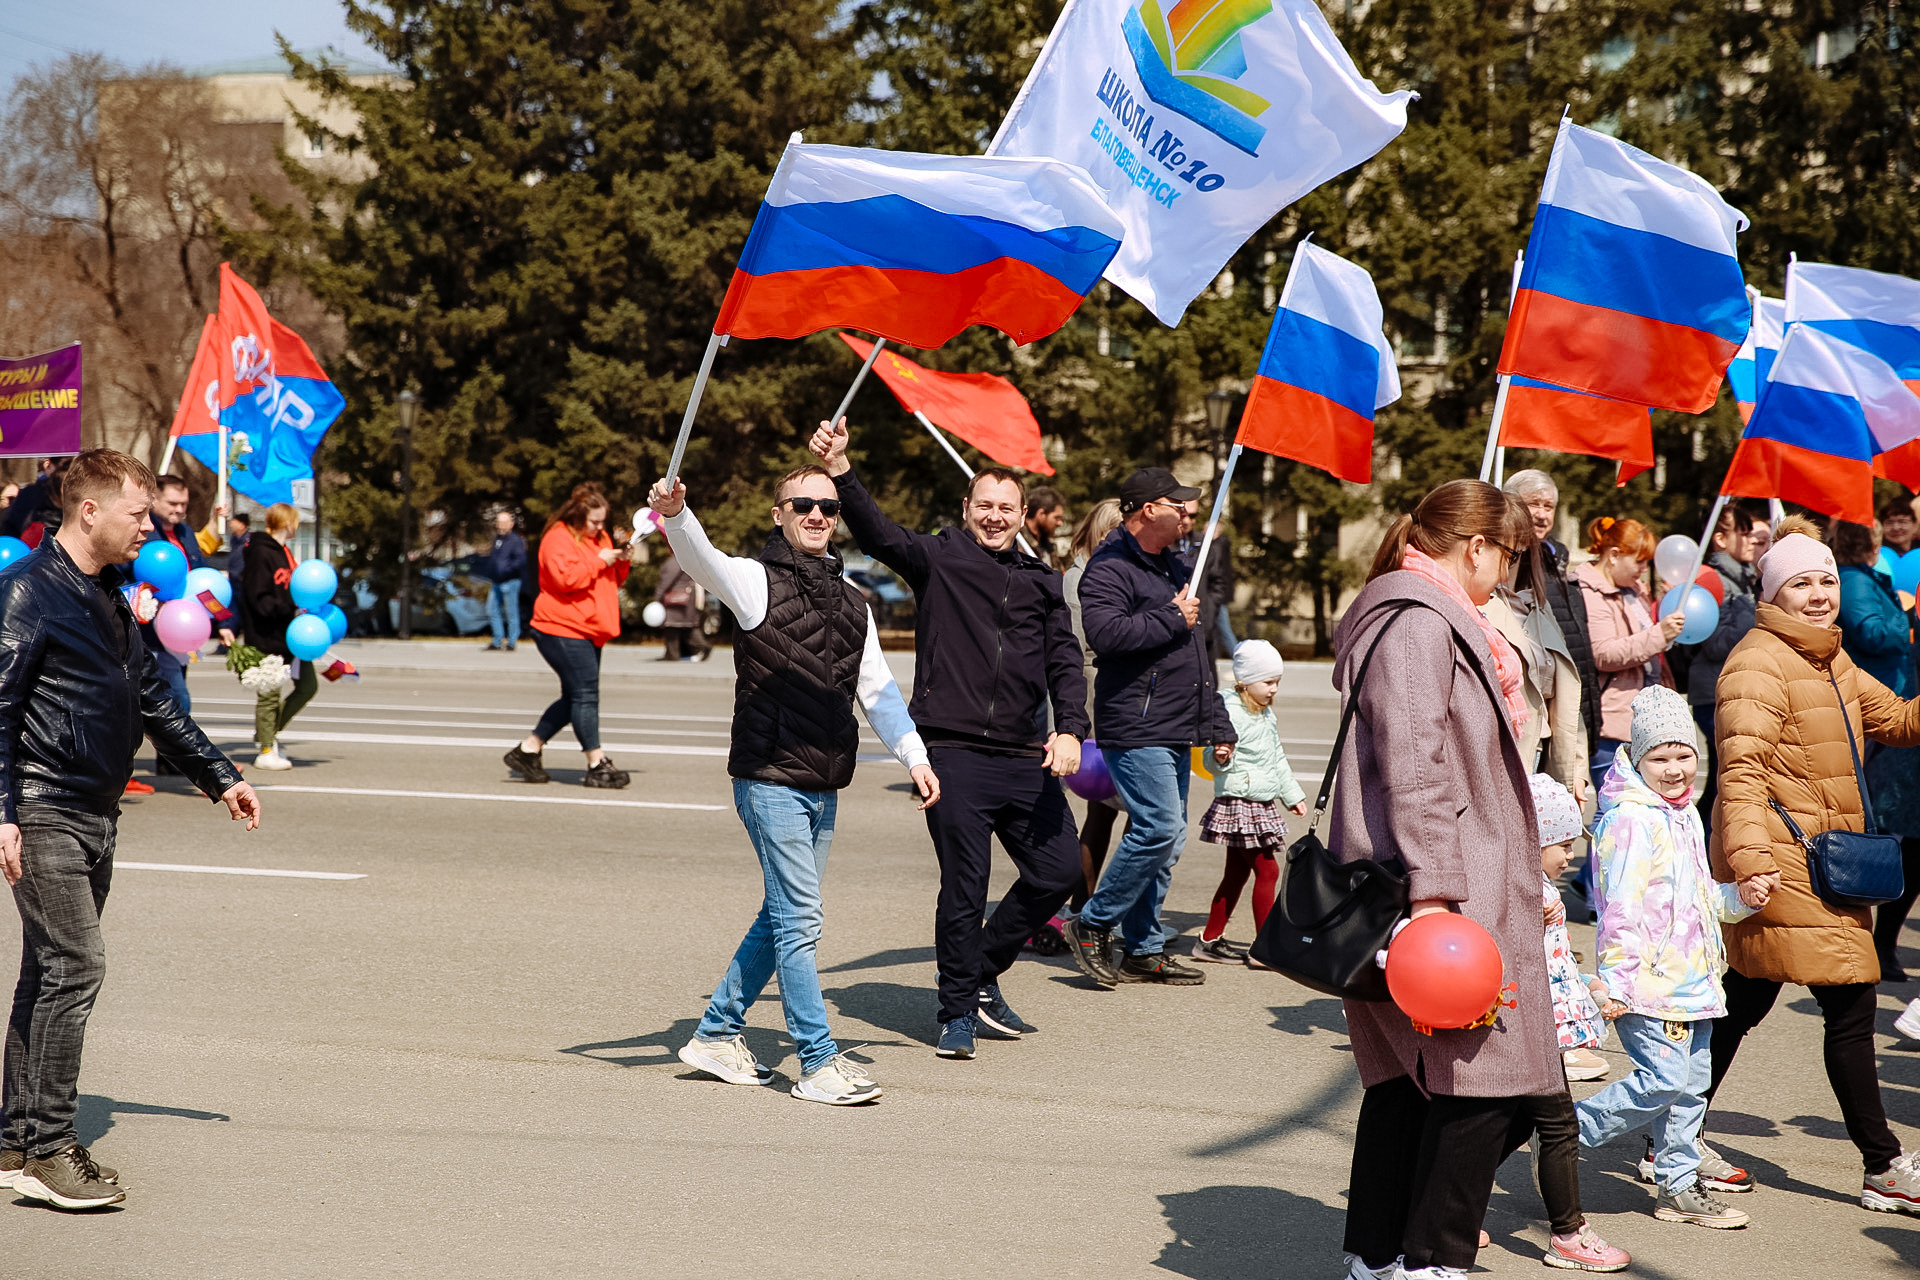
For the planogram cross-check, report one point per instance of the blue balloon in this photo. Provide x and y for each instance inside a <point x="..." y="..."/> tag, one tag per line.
<point x="336" y="619"/>
<point x="210" y="580"/>
<point x="1703" y="615"/>
<point x="161" y="566"/>
<point x="12" y="549"/>
<point x="313" y="584"/>
<point x="308" y="636"/>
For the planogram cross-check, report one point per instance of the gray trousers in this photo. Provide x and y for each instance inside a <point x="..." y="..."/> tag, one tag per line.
<point x="67" y="862"/>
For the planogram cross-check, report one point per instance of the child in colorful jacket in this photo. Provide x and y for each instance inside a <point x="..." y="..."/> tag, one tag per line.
<point x="1660" y="955"/>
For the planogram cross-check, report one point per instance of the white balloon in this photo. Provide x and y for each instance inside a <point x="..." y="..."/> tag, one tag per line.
<point x="1674" y="557"/>
<point x="654" y="614"/>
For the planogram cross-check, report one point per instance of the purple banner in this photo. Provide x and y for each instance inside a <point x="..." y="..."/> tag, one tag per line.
<point x="40" y="404"/>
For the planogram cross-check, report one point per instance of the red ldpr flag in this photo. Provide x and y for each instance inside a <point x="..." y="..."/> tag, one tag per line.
<point x="1540" y="415"/>
<point x="984" y="409"/>
<point x="199" y="411"/>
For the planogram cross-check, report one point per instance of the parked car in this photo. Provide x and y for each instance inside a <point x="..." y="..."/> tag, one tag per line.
<point x="890" y="599"/>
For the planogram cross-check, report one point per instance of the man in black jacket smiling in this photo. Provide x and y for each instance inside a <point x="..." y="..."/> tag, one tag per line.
<point x="1154" y="699"/>
<point x="993" y="643"/>
<point x="77" y="689"/>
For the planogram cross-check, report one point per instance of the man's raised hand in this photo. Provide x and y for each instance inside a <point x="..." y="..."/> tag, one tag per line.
<point x="829" y="444"/>
<point x="668" y="500"/>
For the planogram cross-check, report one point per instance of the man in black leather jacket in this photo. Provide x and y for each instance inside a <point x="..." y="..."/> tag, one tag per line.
<point x="994" y="644"/>
<point x="77" y="690"/>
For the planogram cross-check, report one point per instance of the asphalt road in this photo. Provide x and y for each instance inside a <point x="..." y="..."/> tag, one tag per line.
<point x="461" y="1062"/>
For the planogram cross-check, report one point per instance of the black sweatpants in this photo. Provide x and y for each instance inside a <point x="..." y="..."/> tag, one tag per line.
<point x="1848" y="1014"/>
<point x="1549" y="1119"/>
<point x="1423" y="1174"/>
<point x="1890" y="916"/>
<point x="982" y="796"/>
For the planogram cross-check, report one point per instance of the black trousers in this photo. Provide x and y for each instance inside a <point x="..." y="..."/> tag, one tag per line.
<point x="1549" y="1120"/>
<point x="983" y="796"/>
<point x="1848" y="1013"/>
<point x="1890" y="916"/>
<point x="1423" y="1174"/>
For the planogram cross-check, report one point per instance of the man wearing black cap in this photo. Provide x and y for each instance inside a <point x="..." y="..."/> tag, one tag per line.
<point x="1154" y="700"/>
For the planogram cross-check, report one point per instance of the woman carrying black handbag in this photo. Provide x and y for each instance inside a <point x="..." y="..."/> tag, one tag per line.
<point x="1431" y="779"/>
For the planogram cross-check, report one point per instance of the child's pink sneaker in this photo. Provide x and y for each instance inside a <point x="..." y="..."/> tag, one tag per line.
<point x="1584" y="1250"/>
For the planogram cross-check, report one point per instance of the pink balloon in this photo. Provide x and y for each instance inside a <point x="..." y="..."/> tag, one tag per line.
<point x="182" y="625"/>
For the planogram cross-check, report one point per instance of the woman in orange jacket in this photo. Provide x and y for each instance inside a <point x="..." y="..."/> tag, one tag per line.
<point x="577" y="613"/>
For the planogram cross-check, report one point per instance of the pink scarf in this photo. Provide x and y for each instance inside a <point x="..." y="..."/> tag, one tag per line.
<point x="1506" y="663"/>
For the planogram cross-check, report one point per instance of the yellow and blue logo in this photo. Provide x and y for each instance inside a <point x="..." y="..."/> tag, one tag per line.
<point x="1190" y="60"/>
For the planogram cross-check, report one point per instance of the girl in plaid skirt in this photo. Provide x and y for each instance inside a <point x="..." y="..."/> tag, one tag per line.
<point x="1248" y="792"/>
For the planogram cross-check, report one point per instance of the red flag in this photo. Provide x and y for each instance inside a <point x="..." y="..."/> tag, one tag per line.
<point x="199" y="411"/>
<point x="984" y="409"/>
<point x="1540" y="415"/>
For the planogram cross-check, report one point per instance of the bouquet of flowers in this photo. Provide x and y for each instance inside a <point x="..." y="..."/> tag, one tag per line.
<point x="259" y="672"/>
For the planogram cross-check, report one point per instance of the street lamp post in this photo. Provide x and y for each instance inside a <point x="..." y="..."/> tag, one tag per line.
<point x="1219" y="409"/>
<point x="408" y="404"/>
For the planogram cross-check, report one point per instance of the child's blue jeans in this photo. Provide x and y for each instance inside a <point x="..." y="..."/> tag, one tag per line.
<point x="1666" y="1094"/>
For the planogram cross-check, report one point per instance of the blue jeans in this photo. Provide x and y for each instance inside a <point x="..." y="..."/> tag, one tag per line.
<point x="791" y="832"/>
<point x="577" y="663"/>
<point x="1666" y="1094"/>
<point x="503" y="611"/>
<point x="1152" y="782"/>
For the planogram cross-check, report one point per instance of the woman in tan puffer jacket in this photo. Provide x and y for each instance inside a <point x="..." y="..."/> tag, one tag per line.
<point x="1780" y="736"/>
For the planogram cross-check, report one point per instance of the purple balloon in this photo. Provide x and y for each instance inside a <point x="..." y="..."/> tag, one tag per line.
<point x="1091" y="781"/>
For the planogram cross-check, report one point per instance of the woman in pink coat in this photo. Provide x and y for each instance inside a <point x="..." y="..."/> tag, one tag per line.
<point x="1431" y="779"/>
<point x="1629" y="647"/>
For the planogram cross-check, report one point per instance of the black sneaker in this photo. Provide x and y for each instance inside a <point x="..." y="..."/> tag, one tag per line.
<point x="526" y="764"/>
<point x="604" y="775"/>
<point x="996" y="1016"/>
<point x="1092" y="951"/>
<point x="1890" y="970"/>
<point x="69" y="1180"/>
<point x="956" y="1038"/>
<point x="1161" y="968"/>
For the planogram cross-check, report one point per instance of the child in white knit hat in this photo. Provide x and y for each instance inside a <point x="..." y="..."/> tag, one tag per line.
<point x="1248" y="791"/>
<point x="1660" y="956"/>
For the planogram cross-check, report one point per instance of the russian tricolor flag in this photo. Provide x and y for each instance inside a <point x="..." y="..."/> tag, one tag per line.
<point x="1751" y="364"/>
<point x="915" y="247"/>
<point x="1827" y="410"/>
<point x="1540" y="415"/>
<point x="1631" y="288"/>
<point x="1326" y="369"/>
<point x="1869" y="309"/>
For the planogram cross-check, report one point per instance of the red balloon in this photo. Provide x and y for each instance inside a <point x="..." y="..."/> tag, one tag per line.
<point x="1444" y="970"/>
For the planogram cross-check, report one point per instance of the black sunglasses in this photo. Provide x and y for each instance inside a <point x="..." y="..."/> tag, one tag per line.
<point x="829" y="507"/>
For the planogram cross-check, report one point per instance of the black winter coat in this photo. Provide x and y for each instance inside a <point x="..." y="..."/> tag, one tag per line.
<point x="264" y="584"/>
<point x="77" y="691"/>
<point x="1153" y="683"/>
<point x="993" y="638"/>
<point x="1570" y="611"/>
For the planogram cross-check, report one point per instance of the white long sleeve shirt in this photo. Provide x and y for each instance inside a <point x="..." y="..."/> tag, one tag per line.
<point x="741" y="583"/>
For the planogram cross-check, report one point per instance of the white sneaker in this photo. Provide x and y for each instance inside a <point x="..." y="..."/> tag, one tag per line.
<point x="1358" y="1270"/>
<point x="1897" y="1190"/>
<point x="831" y="1086"/>
<point x="1908" y="1023"/>
<point x="271" y="759"/>
<point x="728" y="1059"/>
<point x="1581" y="1064"/>
<point x="854" y="1072"/>
<point x="1434" y="1273"/>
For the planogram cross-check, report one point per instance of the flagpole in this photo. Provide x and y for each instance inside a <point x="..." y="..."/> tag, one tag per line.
<point x="1706" y="537"/>
<point x="1500" y="465"/>
<point x="1493" y="428"/>
<point x="858" y="378"/>
<point x="220" y="492"/>
<point x="714" y="344"/>
<point x="961" y="462"/>
<point x="166" y="458"/>
<point x="1213" y="521"/>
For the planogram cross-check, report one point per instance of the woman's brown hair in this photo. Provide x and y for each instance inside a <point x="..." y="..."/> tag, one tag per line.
<point x="1629" y="537"/>
<point x="1851" y="543"/>
<point x="1102" y="518"/>
<point x="1449" y="515"/>
<point x="584" y="499"/>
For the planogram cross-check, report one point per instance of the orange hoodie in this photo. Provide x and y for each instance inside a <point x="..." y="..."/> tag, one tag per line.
<point x="579" y="594"/>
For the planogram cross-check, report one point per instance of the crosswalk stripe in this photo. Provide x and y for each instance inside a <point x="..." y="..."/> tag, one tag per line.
<point x="237" y="871"/>
<point x="484" y="795"/>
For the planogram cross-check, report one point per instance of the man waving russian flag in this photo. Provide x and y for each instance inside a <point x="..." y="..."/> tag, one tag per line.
<point x="1631" y="288"/>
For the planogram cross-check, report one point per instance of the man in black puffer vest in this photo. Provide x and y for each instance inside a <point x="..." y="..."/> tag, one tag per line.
<point x="804" y="651"/>
<point x="993" y="644"/>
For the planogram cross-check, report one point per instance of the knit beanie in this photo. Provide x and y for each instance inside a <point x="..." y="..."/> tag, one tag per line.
<point x="1660" y="716"/>
<point x="1256" y="660"/>
<point x="1559" y="815"/>
<point x="1790" y="557"/>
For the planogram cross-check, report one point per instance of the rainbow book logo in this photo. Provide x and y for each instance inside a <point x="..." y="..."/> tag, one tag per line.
<point x="1191" y="61"/>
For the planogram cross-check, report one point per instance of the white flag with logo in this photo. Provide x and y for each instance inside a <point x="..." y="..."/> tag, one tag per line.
<point x="1199" y="120"/>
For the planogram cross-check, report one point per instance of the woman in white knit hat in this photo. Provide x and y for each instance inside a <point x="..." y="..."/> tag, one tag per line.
<point x="1248" y="791"/>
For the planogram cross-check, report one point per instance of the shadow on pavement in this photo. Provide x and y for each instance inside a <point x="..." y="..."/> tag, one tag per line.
<point x="1337" y="1097"/>
<point x="1321" y="1014"/>
<point x="95" y="1115"/>
<point x="1903" y="1242"/>
<point x="891" y="1006"/>
<point x="1741" y="1125"/>
<point x="1230" y="1233"/>
<point x="885" y="959"/>
<point x="662" y="1047"/>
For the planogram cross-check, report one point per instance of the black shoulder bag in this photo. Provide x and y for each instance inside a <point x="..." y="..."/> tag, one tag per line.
<point x="1850" y="868"/>
<point x="1331" y="919"/>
